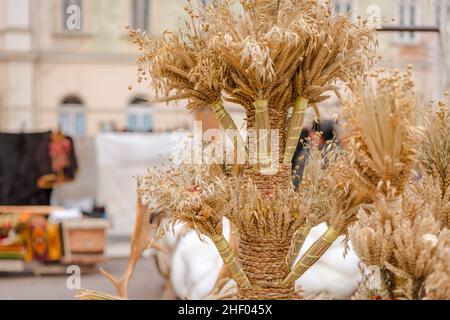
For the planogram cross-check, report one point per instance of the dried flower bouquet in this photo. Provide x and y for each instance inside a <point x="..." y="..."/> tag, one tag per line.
<point x="274" y="58"/>
<point x="401" y="233"/>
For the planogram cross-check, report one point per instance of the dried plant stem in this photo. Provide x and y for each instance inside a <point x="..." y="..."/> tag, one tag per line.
<point x="140" y="241"/>
<point x="262" y="127"/>
<point x="297" y="242"/>
<point x="295" y="128"/>
<point x="224" y="272"/>
<point x="228" y="257"/>
<point x="95" y="295"/>
<point x="227" y="123"/>
<point x="314" y="253"/>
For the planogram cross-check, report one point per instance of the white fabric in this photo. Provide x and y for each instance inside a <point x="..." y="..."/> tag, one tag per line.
<point x="196" y="264"/>
<point x="121" y="158"/>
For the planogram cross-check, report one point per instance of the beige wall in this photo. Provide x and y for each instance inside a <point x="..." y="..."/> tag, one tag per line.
<point x="96" y="64"/>
<point x="40" y="64"/>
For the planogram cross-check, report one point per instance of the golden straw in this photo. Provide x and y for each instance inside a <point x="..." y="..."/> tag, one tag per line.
<point x="230" y="261"/>
<point x="314" y="253"/>
<point x="95" y="295"/>
<point x="295" y="128"/>
<point x="227" y="123"/>
<point x="262" y="127"/>
<point x="297" y="242"/>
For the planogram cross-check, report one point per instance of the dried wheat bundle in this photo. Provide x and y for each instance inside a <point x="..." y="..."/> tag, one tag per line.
<point x="272" y="56"/>
<point x="427" y="189"/>
<point x="383" y="135"/>
<point x="95" y="295"/>
<point x="372" y="234"/>
<point x="261" y="61"/>
<point x="435" y="156"/>
<point x="179" y="66"/>
<point x="373" y="242"/>
<point x="435" y="151"/>
<point x="198" y="196"/>
<point x="314" y="195"/>
<point x="345" y="198"/>
<point x="398" y="249"/>
<point x="437" y="285"/>
<point x="340" y="50"/>
<point x="415" y="254"/>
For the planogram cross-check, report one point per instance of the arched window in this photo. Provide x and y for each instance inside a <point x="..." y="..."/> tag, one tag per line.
<point x="140" y="14"/>
<point x="140" y="116"/>
<point x="72" y="117"/>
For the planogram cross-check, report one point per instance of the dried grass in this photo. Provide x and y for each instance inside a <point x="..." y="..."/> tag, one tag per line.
<point x="437" y="285"/>
<point x="435" y="151"/>
<point x="95" y="295"/>
<point x="383" y="135"/>
<point x="401" y="245"/>
<point x="275" y="51"/>
<point x="178" y="66"/>
<point x="435" y="158"/>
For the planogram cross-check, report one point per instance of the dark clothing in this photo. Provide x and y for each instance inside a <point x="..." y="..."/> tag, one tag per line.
<point x="24" y="158"/>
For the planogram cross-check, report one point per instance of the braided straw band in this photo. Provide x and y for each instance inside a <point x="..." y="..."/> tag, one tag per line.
<point x="297" y="243"/>
<point x="267" y="184"/>
<point x="263" y="136"/>
<point x="230" y="261"/>
<point x="265" y="265"/>
<point x="314" y="253"/>
<point x="295" y="129"/>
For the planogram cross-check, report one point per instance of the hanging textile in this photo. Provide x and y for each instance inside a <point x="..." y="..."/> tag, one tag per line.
<point x="23" y="159"/>
<point x="27" y="174"/>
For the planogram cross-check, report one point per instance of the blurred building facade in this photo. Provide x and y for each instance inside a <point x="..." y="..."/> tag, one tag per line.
<point x="68" y="63"/>
<point x="425" y="50"/>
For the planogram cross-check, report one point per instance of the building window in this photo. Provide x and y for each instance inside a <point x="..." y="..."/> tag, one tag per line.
<point x="72" y="117"/>
<point x="140" y="14"/>
<point x="72" y="13"/>
<point x="408" y="12"/>
<point x="442" y="12"/>
<point x="342" y="7"/>
<point x="140" y="116"/>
